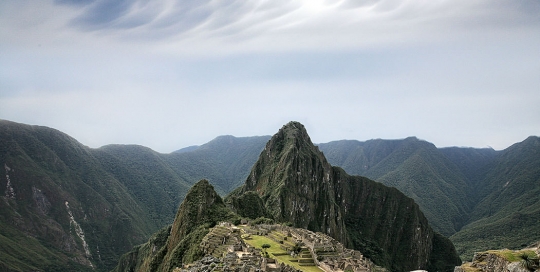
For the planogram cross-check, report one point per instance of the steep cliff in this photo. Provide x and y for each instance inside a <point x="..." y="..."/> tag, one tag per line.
<point x="297" y="185"/>
<point x="178" y="244"/>
<point x="415" y="167"/>
<point x="293" y="179"/>
<point x="61" y="210"/>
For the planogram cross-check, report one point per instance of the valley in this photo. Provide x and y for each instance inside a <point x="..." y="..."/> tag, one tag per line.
<point x="120" y="195"/>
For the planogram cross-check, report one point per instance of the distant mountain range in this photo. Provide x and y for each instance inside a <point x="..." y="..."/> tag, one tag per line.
<point x="292" y="183"/>
<point x="66" y="206"/>
<point x="481" y="198"/>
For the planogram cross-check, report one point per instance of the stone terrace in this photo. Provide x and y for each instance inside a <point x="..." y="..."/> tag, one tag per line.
<point x="226" y="250"/>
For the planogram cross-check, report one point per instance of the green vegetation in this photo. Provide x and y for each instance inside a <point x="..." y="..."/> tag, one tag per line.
<point x="297" y="185"/>
<point x="484" y="198"/>
<point x="513" y="255"/>
<point x="48" y="169"/>
<point x="508" y="214"/>
<point x="23" y="253"/>
<point x="248" y="205"/>
<point x="529" y="261"/>
<point x="417" y="168"/>
<point x="119" y="194"/>
<point x="276" y="252"/>
<point x="225" y="161"/>
<point x="201" y="210"/>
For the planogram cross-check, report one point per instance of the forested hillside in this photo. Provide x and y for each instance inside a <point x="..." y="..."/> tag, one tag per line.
<point x="296" y="184"/>
<point x="69" y="207"/>
<point x="508" y="211"/>
<point x="55" y="188"/>
<point x="415" y="167"/>
<point x="225" y="161"/>
<point x="62" y="210"/>
<point x="482" y="198"/>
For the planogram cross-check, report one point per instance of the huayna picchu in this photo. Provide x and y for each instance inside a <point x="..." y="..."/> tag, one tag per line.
<point x="292" y="184"/>
<point x="297" y="185"/>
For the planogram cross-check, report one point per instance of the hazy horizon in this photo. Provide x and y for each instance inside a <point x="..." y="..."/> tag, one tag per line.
<point x="170" y="74"/>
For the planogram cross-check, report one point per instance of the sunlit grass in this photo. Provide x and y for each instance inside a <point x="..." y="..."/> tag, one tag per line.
<point x="257" y="241"/>
<point x="511" y="255"/>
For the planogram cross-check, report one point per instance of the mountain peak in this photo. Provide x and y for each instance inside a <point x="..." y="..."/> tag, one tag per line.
<point x="289" y="152"/>
<point x="195" y="210"/>
<point x="201" y="209"/>
<point x="292" y="140"/>
<point x="293" y="182"/>
<point x="294" y="130"/>
<point x="294" y="126"/>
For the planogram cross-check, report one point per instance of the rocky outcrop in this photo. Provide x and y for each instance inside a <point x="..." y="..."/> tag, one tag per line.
<point x="491" y="262"/>
<point x="297" y="185"/>
<point x="201" y="210"/>
<point x="249" y="205"/>
<point x="293" y="179"/>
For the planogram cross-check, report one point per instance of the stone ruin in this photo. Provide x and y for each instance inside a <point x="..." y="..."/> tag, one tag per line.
<point x="226" y="251"/>
<point x="329" y="254"/>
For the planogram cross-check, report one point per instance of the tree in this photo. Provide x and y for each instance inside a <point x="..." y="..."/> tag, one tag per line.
<point x="265" y="246"/>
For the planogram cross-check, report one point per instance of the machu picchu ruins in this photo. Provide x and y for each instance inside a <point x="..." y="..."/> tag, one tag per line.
<point x="238" y="248"/>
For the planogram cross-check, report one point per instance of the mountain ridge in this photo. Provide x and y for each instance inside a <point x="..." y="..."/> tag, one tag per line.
<point x="62" y="204"/>
<point x="52" y="162"/>
<point x="414" y="167"/>
<point x="178" y="244"/>
<point x="298" y="185"/>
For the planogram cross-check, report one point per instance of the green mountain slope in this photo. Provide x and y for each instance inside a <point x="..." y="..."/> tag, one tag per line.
<point x="496" y="204"/>
<point x="473" y="163"/>
<point x="118" y="194"/>
<point x="224" y="161"/>
<point x="178" y="244"/>
<point x="489" y="197"/>
<point x="68" y="207"/>
<point x="417" y="168"/>
<point x="508" y="215"/>
<point x="147" y="177"/>
<point x="298" y="185"/>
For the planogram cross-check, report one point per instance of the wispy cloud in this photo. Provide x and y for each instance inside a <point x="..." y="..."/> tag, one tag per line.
<point x="301" y="24"/>
<point x="460" y="72"/>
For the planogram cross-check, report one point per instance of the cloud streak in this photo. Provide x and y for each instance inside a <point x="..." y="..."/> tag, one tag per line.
<point x="169" y="74"/>
<point x="301" y="24"/>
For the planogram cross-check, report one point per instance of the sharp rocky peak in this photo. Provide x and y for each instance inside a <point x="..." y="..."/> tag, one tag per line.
<point x="293" y="134"/>
<point x="289" y="159"/>
<point x="296" y="184"/>
<point x="195" y="210"/>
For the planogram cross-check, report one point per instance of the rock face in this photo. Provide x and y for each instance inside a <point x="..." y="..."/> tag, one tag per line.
<point x="202" y="205"/>
<point x="60" y="209"/>
<point x="491" y="262"/>
<point x="297" y="185"/>
<point x="201" y="209"/>
<point x="294" y="180"/>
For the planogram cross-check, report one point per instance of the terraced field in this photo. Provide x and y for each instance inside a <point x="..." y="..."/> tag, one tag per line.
<point x="303" y="262"/>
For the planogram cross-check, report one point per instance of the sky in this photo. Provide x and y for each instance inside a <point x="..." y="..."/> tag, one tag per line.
<point x="170" y="74"/>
